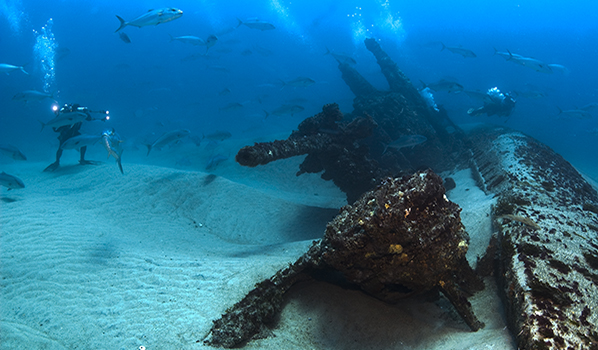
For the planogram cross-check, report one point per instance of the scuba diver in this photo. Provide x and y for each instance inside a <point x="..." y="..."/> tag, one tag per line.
<point x="495" y="103"/>
<point x="72" y="130"/>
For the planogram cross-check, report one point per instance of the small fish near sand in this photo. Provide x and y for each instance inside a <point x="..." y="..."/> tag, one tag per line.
<point x="10" y="181"/>
<point x="459" y="51"/>
<point x="152" y="17"/>
<point x="79" y="141"/>
<point x="8" y="68"/>
<point x="406" y="141"/>
<point x="12" y="152"/>
<point x="168" y="138"/>
<point x="214" y="161"/>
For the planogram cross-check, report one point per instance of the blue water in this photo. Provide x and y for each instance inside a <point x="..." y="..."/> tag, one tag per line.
<point x="154" y="85"/>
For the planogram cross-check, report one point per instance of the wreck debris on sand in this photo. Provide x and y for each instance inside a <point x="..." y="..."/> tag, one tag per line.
<point x="402" y="239"/>
<point x="349" y="148"/>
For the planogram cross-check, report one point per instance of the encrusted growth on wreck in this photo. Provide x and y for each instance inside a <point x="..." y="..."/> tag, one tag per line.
<point x="350" y="148"/>
<point x="547" y="268"/>
<point x="402" y="239"/>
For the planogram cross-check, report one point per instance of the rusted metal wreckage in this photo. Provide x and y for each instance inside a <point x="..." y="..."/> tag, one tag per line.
<point x="402" y="236"/>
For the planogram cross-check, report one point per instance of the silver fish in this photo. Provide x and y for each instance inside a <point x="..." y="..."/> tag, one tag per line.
<point x="255" y="23"/>
<point x="506" y="55"/>
<point x="590" y="106"/>
<point x="65" y="119"/>
<point x="8" y="68"/>
<point x="575" y="113"/>
<point x="406" y="141"/>
<point x="298" y="82"/>
<point x="10" y="181"/>
<point x="124" y="37"/>
<point x="168" y="138"/>
<point x="286" y="110"/>
<point x="188" y="39"/>
<point x="341" y="58"/>
<point x="445" y="85"/>
<point x="218" y="135"/>
<point x="224" y="92"/>
<point x="459" y="51"/>
<point x="215" y="160"/>
<point x="32" y="95"/>
<point x="232" y="106"/>
<point x="559" y="68"/>
<point x="532" y="63"/>
<point x="533" y="94"/>
<point x="262" y="50"/>
<point x="477" y="95"/>
<point x="152" y="17"/>
<point x="79" y="141"/>
<point x="12" y="152"/>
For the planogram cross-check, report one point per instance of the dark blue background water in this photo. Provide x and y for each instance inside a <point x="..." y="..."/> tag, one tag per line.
<point x="154" y="85"/>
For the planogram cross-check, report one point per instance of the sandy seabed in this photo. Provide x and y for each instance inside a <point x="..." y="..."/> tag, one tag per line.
<point x="92" y="259"/>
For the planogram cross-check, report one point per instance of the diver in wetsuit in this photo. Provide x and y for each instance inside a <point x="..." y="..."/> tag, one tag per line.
<point x="68" y="131"/>
<point x="495" y="103"/>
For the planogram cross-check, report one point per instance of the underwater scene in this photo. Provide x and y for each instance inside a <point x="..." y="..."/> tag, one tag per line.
<point x="274" y="174"/>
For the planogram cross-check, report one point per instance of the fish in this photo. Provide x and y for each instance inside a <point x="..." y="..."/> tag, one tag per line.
<point x="590" y="106"/>
<point x="533" y="94"/>
<point x="196" y="139"/>
<point x="529" y="62"/>
<point x="298" y="82"/>
<point x="218" y="135"/>
<point x="459" y="51"/>
<point x="12" y="152"/>
<point x="79" y="141"/>
<point x="224" y="92"/>
<point x="152" y="17"/>
<point x="575" y="113"/>
<point x="188" y="39"/>
<point x="61" y="53"/>
<point x="32" y="95"/>
<point x="255" y="23"/>
<point x="341" y="58"/>
<point x="65" y="119"/>
<point x="112" y="143"/>
<point x="233" y="106"/>
<point x="168" y="138"/>
<point x="444" y="85"/>
<point x="10" y="181"/>
<point x="559" y="68"/>
<point x="211" y="41"/>
<point x="8" y="68"/>
<point x="406" y="141"/>
<point x="215" y="160"/>
<point x="124" y="37"/>
<point x="262" y="50"/>
<point x="218" y="68"/>
<point x="477" y="95"/>
<point x="286" y="110"/>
